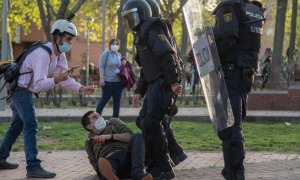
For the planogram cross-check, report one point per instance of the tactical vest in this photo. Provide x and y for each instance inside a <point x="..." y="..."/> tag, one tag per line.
<point x="250" y="31"/>
<point x="148" y="60"/>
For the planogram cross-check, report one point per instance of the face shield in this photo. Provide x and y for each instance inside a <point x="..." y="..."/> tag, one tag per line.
<point x="130" y="19"/>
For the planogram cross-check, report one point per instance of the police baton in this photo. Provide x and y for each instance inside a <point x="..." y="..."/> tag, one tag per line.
<point x="168" y="122"/>
<point x="172" y="109"/>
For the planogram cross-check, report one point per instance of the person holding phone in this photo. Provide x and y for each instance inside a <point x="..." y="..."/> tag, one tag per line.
<point x="110" y="81"/>
<point x="46" y="72"/>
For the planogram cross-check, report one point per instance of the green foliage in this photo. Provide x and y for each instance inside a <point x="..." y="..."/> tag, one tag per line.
<point x="22" y="13"/>
<point x="190" y="135"/>
<point x="93" y="8"/>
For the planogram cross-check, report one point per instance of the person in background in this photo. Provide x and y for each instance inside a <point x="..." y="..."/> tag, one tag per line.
<point x="47" y="71"/>
<point x="110" y="81"/>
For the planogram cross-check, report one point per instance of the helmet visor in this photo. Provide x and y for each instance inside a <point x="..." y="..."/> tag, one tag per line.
<point x="130" y="19"/>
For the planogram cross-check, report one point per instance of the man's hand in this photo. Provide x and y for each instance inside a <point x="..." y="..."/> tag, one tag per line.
<point x="100" y="139"/>
<point x="88" y="89"/>
<point x="62" y="76"/>
<point x="176" y="88"/>
<point x="136" y="100"/>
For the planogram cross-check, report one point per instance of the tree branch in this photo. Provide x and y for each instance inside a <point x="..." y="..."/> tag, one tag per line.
<point x="51" y="8"/>
<point x="179" y="10"/>
<point x="46" y="25"/>
<point x="77" y="6"/>
<point x="62" y="9"/>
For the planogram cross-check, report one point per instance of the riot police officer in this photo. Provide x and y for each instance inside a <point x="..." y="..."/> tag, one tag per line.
<point x="238" y="36"/>
<point x="176" y="152"/>
<point x="160" y="76"/>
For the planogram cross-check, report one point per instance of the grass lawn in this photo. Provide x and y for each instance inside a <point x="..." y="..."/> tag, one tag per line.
<point x="191" y="136"/>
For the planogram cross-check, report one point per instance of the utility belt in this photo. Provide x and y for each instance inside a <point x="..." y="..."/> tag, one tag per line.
<point x="231" y="71"/>
<point x="164" y="85"/>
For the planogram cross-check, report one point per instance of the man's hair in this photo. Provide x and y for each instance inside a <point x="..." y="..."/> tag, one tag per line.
<point x="85" y="120"/>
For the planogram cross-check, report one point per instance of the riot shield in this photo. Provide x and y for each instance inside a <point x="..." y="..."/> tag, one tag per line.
<point x="208" y="64"/>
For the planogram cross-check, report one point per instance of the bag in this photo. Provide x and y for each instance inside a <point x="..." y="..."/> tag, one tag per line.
<point x="11" y="71"/>
<point x="126" y="74"/>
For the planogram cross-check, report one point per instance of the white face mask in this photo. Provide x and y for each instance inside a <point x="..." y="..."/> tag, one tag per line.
<point x="65" y="47"/>
<point x="100" y="124"/>
<point x="114" y="47"/>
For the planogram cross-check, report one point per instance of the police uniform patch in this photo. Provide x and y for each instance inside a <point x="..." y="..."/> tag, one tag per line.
<point x="162" y="37"/>
<point x="227" y="17"/>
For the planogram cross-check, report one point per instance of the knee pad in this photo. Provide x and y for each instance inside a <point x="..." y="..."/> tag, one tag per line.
<point x="225" y="134"/>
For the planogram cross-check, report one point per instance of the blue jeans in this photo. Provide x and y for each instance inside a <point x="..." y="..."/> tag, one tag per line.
<point x="23" y="120"/>
<point x="114" y="90"/>
<point x="130" y="162"/>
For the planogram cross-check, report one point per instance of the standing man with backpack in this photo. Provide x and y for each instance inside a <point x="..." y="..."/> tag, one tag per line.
<point x="39" y="73"/>
<point x="161" y="73"/>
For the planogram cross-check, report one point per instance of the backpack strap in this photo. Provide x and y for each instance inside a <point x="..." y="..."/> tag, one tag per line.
<point x="24" y="54"/>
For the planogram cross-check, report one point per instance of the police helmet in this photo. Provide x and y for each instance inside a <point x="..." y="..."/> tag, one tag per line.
<point x="154" y="8"/>
<point x="64" y="26"/>
<point x="134" y="12"/>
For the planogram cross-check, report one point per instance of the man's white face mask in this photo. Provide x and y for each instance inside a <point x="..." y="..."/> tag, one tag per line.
<point x="100" y="124"/>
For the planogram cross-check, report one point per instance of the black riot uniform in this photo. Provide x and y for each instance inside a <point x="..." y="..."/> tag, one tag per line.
<point x="238" y="36"/>
<point x="175" y="151"/>
<point x="160" y="69"/>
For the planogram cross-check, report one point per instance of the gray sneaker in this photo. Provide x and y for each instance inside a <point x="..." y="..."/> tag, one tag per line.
<point x="7" y="165"/>
<point x="39" y="172"/>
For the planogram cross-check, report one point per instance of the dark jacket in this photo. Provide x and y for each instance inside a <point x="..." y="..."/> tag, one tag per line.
<point x="156" y="54"/>
<point x="238" y="32"/>
<point x="96" y="151"/>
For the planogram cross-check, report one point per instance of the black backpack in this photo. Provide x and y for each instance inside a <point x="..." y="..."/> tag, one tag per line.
<point x="11" y="71"/>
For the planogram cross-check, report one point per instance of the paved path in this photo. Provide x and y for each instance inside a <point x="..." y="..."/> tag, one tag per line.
<point x="74" y="165"/>
<point x="126" y="114"/>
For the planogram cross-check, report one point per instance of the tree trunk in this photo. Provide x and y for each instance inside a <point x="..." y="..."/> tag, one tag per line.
<point x="120" y="32"/>
<point x="123" y="49"/>
<point x="291" y="53"/>
<point x="45" y="20"/>
<point x="278" y="44"/>
<point x="62" y="9"/>
<point x="184" y="39"/>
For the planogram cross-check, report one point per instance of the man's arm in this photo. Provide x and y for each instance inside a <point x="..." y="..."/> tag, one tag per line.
<point x="101" y="139"/>
<point x="91" y="156"/>
<point x="165" y="53"/>
<point x="142" y="84"/>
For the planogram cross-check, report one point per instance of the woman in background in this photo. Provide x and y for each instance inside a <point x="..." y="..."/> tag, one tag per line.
<point x="110" y="82"/>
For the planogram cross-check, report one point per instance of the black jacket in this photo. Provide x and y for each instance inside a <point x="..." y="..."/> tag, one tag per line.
<point x="155" y="54"/>
<point x="238" y="32"/>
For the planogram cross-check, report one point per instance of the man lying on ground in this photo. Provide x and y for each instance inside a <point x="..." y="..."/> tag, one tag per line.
<point x="112" y="148"/>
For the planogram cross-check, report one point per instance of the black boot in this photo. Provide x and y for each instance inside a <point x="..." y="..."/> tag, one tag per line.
<point x="234" y="154"/>
<point x="176" y="153"/>
<point x="7" y="165"/>
<point x="39" y="172"/>
<point x="159" y="147"/>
